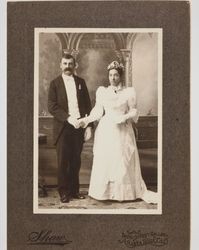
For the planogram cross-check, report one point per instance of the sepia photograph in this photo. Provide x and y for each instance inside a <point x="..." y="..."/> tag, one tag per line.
<point x="98" y="124"/>
<point x="97" y="121"/>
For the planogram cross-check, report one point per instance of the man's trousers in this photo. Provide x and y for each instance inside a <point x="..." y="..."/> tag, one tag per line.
<point x="69" y="148"/>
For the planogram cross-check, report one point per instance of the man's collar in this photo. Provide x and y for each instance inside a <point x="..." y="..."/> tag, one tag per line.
<point x="67" y="77"/>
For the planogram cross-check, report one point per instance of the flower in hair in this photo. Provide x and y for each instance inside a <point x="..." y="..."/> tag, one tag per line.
<point x="115" y="65"/>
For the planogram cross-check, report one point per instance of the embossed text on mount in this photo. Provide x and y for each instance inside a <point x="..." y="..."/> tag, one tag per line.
<point x="133" y="239"/>
<point x="47" y="237"/>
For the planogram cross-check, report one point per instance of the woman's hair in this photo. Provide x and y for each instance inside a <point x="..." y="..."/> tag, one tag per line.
<point x="117" y="66"/>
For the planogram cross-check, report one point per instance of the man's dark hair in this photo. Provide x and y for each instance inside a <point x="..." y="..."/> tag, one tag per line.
<point x="68" y="56"/>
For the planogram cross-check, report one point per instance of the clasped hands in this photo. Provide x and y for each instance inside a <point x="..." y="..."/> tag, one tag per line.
<point x="118" y="119"/>
<point x="83" y="122"/>
<point x="77" y="123"/>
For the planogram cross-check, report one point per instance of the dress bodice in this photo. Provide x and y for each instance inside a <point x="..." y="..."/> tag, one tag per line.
<point x="111" y="103"/>
<point x="114" y="103"/>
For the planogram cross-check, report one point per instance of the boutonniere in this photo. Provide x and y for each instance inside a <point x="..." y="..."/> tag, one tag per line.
<point x="80" y="87"/>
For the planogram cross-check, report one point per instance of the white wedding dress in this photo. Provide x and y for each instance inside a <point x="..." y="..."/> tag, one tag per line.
<point x="116" y="173"/>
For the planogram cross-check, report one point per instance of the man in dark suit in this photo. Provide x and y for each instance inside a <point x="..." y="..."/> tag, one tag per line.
<point x="68" y="100"/>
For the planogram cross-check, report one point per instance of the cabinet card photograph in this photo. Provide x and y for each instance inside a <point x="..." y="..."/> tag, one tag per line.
<point x="98" y="121"/>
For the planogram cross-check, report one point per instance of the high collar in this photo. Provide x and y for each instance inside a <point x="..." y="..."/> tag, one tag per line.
<point x="116" y="88"/>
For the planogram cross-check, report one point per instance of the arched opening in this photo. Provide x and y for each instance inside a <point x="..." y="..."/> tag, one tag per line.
<point x="96" y="51"/>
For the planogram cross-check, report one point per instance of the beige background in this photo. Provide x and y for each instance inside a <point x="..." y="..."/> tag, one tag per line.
<point x="92" y="64"/>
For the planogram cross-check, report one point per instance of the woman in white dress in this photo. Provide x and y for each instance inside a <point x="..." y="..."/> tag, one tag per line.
<point x="116" y="173"/>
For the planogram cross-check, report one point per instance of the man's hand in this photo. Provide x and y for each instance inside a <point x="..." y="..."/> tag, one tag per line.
<point x="87" y="134"/>
<point x="83" y="122"/>
<point x="74" y="122"/>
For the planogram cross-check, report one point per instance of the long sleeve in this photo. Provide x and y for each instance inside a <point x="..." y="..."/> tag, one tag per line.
<point x="132" y="105"/>
<point x="98" y="110"/>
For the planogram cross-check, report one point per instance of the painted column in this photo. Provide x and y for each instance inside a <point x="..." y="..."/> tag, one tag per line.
<point x="126" y="54"/>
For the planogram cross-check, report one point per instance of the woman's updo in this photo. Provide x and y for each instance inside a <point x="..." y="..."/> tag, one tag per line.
<point x="117" y="66"/>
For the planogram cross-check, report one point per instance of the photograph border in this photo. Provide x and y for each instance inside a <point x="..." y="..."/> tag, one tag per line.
<point x="36" y="209"/>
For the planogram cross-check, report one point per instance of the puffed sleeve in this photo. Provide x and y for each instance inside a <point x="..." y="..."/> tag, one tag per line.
<point x="98" y="110"/>
<point x="132" y="105"/>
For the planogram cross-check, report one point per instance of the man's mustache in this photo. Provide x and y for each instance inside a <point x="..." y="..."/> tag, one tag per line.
<point x="68" y="69"/>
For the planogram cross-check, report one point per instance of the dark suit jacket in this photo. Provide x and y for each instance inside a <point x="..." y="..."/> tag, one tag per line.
<point x="58" y="103"/>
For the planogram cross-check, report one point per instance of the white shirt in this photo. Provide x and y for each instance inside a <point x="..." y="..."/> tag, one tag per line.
<point x="71" y="91"/>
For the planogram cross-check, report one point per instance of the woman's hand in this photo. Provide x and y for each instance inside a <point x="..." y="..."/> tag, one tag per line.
<point x="131" y="115"/>
<point x="120" y="119"/>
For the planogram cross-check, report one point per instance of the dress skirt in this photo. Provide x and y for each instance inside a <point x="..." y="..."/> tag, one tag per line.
<point x="116" y="173"/>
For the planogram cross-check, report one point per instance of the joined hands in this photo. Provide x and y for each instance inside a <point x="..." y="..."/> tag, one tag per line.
<point x="77" y="123"/>
<point x="83" y="123"/>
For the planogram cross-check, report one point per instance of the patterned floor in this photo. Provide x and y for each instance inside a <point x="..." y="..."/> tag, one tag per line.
<point x="52" y="201"/>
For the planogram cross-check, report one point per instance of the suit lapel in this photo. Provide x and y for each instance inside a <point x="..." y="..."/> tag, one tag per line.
<point x="78" y="87"/>
<point x="63" y="92"/>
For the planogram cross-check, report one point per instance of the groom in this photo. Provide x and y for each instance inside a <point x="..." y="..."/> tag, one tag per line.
<point x="68" y="100"/>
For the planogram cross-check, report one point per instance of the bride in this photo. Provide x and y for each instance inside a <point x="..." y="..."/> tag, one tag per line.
<point x="116" y="173"/>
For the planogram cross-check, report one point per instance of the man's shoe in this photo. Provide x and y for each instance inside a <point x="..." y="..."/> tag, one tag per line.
<point x="78" y="196"/>
<point x="42" y="192"/>
<point x="64" y="198"/>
